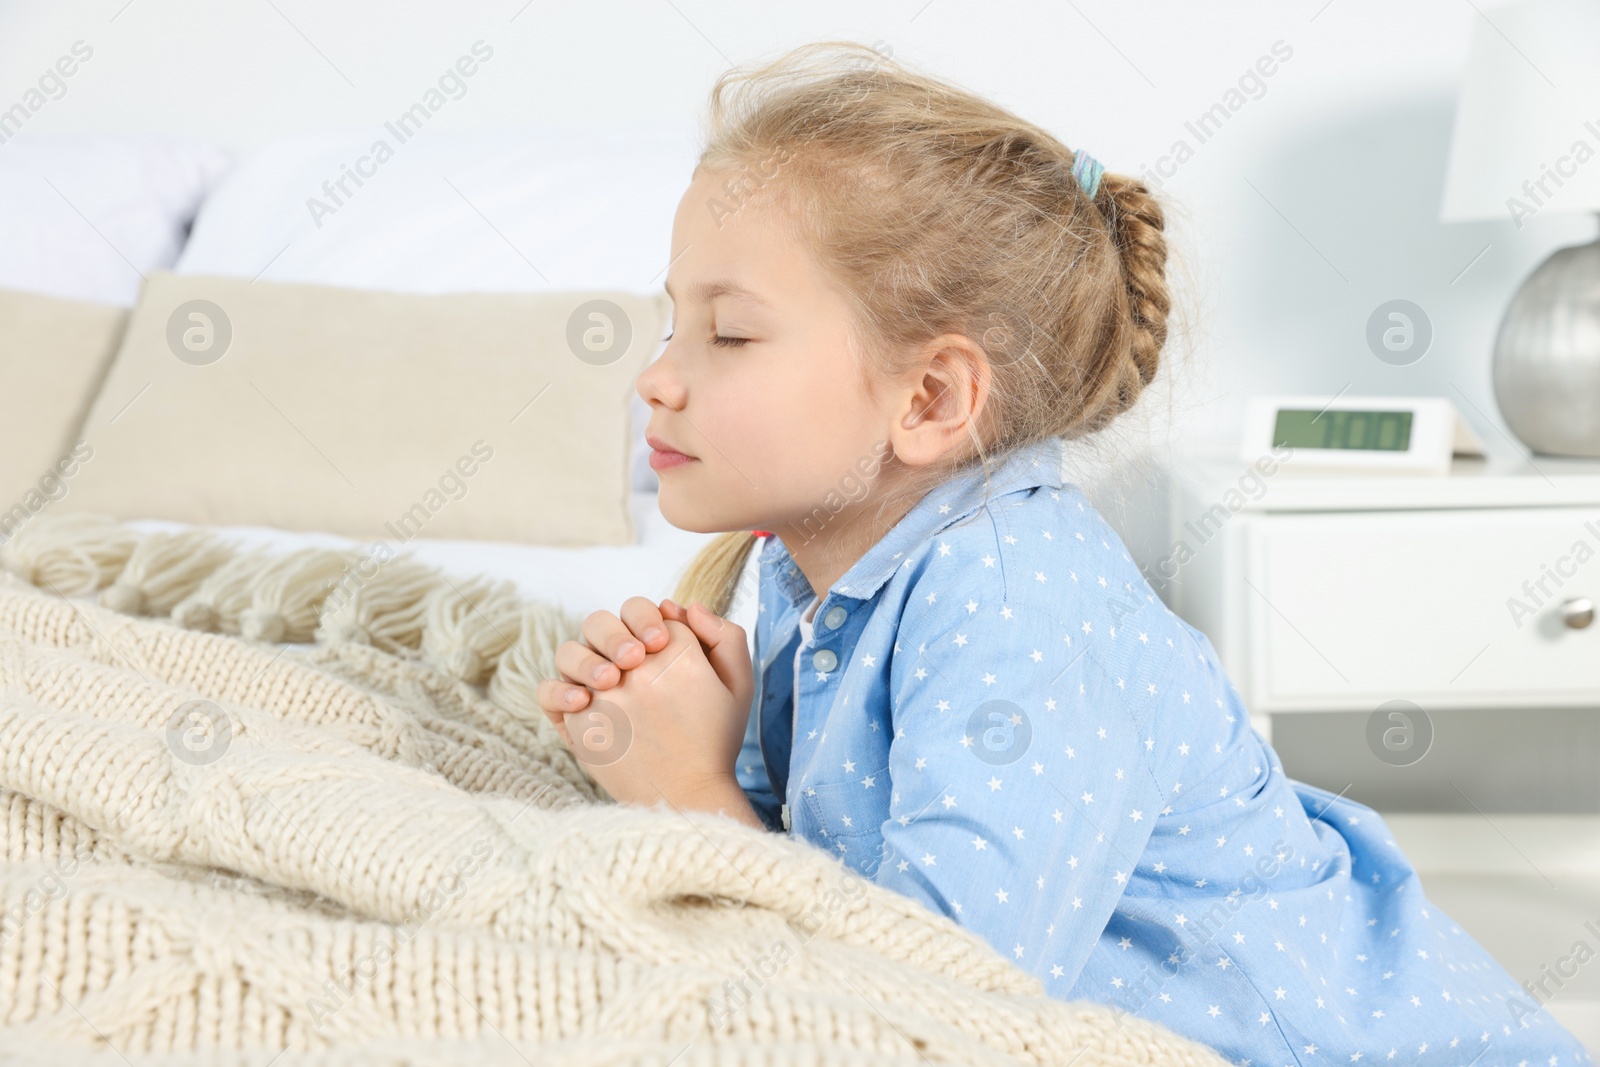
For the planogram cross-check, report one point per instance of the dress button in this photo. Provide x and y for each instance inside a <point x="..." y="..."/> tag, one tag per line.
<point x="835" y="617"/>
<point x="824" y="660"/>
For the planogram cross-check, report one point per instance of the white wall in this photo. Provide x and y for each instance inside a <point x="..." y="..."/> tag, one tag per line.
<point x="1314" y="202"/>
<point x="1310" y="206"/>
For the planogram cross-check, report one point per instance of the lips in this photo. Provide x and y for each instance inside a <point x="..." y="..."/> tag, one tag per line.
<point x="663" y="456"/>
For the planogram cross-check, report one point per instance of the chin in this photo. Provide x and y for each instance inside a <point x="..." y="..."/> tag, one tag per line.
<point x="692" y="519"/>
<point x="684" y="518"/>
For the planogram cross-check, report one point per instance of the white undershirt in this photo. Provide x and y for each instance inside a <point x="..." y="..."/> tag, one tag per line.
<point x="806" y="616"/>
<point x="805" y="639"/>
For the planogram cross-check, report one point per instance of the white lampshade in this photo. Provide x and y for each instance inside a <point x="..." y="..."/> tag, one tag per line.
<point x="1529" y="110"/>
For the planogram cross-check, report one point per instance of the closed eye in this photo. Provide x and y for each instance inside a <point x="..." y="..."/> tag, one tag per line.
<point x="718" y="339"/>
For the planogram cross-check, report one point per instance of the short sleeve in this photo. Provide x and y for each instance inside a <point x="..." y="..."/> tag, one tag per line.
<point x="1021" y="792"/>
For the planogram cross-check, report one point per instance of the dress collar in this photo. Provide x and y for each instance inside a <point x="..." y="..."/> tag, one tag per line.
<point x="1028" y="466"/>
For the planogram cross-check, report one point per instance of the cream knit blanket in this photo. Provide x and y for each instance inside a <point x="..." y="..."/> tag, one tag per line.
<point x="218" y="850"/>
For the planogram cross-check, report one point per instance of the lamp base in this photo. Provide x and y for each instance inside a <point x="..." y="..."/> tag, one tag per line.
<point x="1547" y="355"/>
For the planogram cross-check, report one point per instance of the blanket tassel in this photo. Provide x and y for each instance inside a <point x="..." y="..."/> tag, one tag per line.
<point x="289" y="594"/>
<point x="71" y="554"/>
<point x="384" y="611"/>
<point x="531" y="658"/>
<point x="164" y="568"/>
<point x="468" y="625"/>
<point x="224" y="594"/>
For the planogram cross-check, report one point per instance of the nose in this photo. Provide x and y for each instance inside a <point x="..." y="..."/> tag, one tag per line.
<point x="659" y="381"/>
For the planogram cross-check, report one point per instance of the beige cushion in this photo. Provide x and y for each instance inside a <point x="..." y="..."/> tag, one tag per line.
<point x="372" y="414"/>
<point x="53" y="355"/>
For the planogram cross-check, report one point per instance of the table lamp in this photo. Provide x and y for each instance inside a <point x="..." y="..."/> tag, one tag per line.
<point x="1526" y="142"/>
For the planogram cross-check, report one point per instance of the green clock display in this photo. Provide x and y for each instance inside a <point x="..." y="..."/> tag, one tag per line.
<point x="1371" y="431"/>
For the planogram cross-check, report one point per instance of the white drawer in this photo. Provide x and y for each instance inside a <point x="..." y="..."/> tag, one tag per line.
<point x="1354" y="608"/>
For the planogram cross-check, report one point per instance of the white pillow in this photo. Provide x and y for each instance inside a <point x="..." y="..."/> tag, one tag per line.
<point x="87" y="215"/>
<point x="530" y="209"/>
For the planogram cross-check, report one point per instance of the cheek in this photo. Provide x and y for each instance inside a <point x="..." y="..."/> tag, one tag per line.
<point x="816" y="384"/>
<point x="777" y="418"/>
<point x="763" y="405"/>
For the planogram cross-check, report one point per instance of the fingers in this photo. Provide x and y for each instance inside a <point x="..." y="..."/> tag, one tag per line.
<point x="581" y="665"/>
<point x="553" y="699"/>
<point x="610" y="646"/>
<point x="561" y="728"/>
<point x="706" y="624"/>
<point x="725" y="644"/>
<point x="621" y="642"/>
<point x="557" y="697"/>
<point x="711" y="628"/>
<point x="609" y="638"/>
<point x="644" y="621"/>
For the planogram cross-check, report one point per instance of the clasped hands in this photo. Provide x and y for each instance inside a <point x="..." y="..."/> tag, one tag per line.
<point x="654" y="702"/>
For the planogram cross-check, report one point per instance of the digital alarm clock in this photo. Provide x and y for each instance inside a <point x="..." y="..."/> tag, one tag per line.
<point x="1367" y="434"/>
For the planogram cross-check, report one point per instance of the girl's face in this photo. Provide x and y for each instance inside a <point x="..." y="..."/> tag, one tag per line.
<point x="758" y="383"/>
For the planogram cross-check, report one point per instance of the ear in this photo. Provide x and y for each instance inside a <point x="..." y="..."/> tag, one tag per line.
<point x="937" y="412"/>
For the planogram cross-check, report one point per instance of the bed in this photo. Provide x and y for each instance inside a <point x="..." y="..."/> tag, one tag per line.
<point x="251" y="813"/>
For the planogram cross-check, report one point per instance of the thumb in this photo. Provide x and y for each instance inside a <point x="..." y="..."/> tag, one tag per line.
<point x="726" y="648"/>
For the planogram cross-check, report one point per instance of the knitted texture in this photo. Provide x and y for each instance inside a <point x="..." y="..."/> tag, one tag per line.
<point x="214" y="850"/>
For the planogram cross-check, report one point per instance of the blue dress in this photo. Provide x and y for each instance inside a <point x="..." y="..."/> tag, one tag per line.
<point x="996" y="716"/>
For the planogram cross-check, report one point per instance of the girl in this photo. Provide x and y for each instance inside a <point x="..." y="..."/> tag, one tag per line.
<point x="894" y="302"/>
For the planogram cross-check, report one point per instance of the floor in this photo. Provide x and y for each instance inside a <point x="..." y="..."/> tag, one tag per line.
<point x="1527" y="888"/>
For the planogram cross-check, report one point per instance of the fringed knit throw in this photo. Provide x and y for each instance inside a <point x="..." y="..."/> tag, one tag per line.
<point x="222" y="850"/>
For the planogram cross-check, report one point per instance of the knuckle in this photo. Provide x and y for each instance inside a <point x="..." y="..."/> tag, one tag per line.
<point x="641" y="604"/>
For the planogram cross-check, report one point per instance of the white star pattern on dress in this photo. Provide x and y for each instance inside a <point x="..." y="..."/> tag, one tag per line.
<point x="1136" y="887"/>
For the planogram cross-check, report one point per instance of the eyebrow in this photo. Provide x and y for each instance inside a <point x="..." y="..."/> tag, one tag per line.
<point x="706" y="292"/>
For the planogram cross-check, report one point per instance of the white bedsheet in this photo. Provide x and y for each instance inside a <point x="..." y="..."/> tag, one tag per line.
<point x="581" y="580"/>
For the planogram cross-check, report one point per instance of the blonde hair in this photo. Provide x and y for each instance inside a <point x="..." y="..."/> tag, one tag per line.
<point x="936" y="211"/>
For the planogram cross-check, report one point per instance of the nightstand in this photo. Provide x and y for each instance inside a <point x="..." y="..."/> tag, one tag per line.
<point x="1329" y="592"/>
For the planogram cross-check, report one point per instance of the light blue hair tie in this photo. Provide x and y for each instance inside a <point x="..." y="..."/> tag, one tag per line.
<point x="1087" y="170"/>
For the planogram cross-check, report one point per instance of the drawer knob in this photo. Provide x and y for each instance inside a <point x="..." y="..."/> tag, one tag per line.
<point x="1578" y="612"/>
